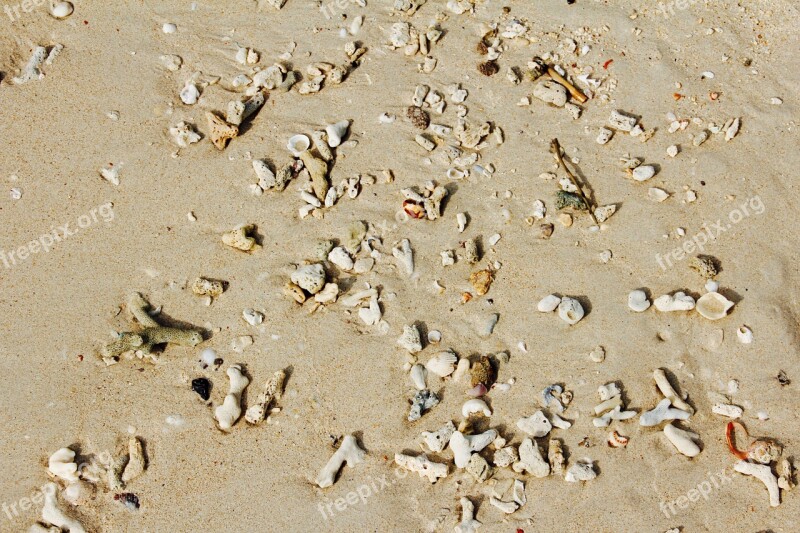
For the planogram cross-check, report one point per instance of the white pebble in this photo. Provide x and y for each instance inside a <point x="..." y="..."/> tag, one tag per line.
<point x="168" y="27"/>
<point x="548" y="304"/>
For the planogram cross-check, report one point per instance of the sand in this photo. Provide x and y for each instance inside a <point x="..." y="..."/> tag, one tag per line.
<point x="60" y="306"/>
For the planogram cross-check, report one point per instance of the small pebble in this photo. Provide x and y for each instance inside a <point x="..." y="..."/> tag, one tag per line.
<point x="168" y="27"/>
<point x="202" y="387"/>
<point x="62" y="10"/>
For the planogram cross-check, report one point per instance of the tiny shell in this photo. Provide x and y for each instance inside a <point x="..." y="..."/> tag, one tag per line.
<point x="298" y="144"/>
<point x="713" y="306"/>
<point x="442" y="364"/>
<point x="570" y="310"/>
<point x="744" y="334"/>
<point x="615" y="440"/>
<point x="62" y="10"/>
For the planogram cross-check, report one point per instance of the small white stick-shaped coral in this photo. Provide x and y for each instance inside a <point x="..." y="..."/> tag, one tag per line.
<point x="231" y="409"/>
<point x="666" y="389"/>
<point x="31" y="70"/>
<point x="51" y="513"/>
<point x="468" y="523"/>
<point x="349" y="453"/>
<point x="62" y="465"/>
<point x="272" y="391"/>
<point x="682" y="440"/>
<point x="764" y="474"/>
<point x="662" y="412"/>
<point x="422" y="465"/>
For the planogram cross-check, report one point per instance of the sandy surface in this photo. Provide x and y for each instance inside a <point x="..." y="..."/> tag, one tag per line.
<point x="59" y="307"/>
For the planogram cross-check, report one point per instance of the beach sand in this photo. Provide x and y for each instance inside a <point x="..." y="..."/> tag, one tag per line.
<point x="60" y="306"/>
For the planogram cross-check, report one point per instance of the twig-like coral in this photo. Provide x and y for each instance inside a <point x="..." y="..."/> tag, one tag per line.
<point x="144" y="341"/>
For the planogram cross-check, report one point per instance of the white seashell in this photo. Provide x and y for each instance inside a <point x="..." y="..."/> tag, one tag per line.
<point x="548" y="304"/>
<point x="531" y="460"/>
<point x="62" y="10"/>
<point x="682" y="440"/>
<point x="537" y="425"/>
<point x="62" y="465"/>
<point x="169" y="27"/>
<point x="298" y="144"/>
<point x="711" y="285"/>
<point x="662" y="412"/>
<point x="336" y="132"/>
<point x="657" y="195"/>
<point x="570" y="310"/>
<point x="676" y="302"/>
<point x="713" y="306"/>
<point x="231" y="409"/>
<point x="410" y="339"/>
<point x="252" y="317"/>
<point x="644" y="172"/>
<point x="422" y="465"/>
<point x="442" y="364"/>
<point x="637" y="301"/>
<point x="438" y="440"/>
<point x="339" y="257"/>
<point x="349" y="452"/>
<point x="434" y="336"/>
<point x="310" y="278"/>
<point x="461" y="370"/>
<point x="463" y="445"/>
<point x="418" y="377"/>
<point x="604" y="135"/>
<point x="764" y="474"/>
<point x="475" y="406"/>
<point x="580" y="472"/>
<point x="744" y="334"/>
